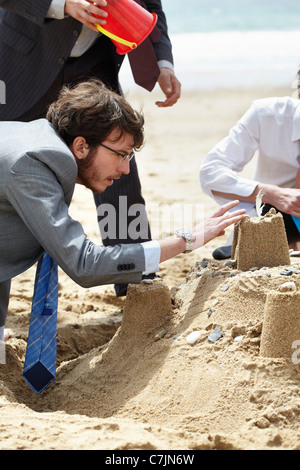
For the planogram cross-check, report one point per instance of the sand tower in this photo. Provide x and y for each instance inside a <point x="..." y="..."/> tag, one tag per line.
<point x="281" y="326"/>
<point x="260" y="241"/>
<point x="146" y="307"/>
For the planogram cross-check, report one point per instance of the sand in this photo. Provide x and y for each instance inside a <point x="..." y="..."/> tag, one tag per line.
<point x="127" y="379"/>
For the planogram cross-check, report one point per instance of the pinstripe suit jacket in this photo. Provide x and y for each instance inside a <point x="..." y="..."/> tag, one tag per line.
<point x="33" y="50"/>
<point x="37" y="177"/>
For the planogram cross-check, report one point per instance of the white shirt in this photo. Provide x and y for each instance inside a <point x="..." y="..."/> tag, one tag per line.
<point x="152" y="256"/>
<point x="271" y="127"/>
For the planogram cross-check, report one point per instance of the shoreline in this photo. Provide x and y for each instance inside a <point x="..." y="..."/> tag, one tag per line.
<point x="232" y="59"/>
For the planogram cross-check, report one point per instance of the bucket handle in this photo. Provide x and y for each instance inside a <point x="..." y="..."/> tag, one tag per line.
<point x="132" y="45"/>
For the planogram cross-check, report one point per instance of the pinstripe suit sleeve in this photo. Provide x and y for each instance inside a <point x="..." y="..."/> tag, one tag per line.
<point x="163" y="48"/>
<point x="32" y="10"/>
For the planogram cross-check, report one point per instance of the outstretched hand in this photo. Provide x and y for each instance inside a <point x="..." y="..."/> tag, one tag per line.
<point x="212" y="227"/>
<point x="215" y="225"/>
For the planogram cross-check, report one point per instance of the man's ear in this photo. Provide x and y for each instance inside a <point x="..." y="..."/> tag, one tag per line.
<point x="79" y="147"/>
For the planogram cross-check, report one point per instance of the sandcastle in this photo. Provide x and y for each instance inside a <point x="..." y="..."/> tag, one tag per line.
<point x="146" y="307"/>
<point x="260" y="242"/>
<point x="281" y="326"/>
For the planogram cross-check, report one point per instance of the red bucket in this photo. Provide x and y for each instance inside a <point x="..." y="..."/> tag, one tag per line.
<point x="127" y="25"/>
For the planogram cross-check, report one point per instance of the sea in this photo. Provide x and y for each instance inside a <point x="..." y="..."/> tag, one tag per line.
<point x="233" y="43"/>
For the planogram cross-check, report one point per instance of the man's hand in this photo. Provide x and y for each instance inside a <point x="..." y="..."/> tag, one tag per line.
<point x="284" y="199"/>
<point x="215" y="225"/>
<point x="83" y="11"/>
<point x="212" y="227"/>
<point x="170" y="86"/>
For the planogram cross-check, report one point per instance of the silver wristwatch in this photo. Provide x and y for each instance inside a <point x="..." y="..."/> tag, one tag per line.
<point x="187" y="235"/>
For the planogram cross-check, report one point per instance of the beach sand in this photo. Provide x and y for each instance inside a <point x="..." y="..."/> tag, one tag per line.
<point x="127" y="378"/>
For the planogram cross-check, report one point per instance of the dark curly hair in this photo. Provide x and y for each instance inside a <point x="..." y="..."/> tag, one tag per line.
<point x="91" y="110"/>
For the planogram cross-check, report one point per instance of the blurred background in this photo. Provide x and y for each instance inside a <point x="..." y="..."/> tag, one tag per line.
<point x="232" y="43"/>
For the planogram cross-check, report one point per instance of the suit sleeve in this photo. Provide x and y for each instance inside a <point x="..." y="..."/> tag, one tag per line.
<point x="38" y="198"/>
<point x="163" y="48"/>
<point x="32" y="10"/>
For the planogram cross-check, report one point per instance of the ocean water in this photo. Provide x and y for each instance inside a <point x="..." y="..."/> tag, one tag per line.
<point x="233" y="43"/>
<point x="231" y="15"/>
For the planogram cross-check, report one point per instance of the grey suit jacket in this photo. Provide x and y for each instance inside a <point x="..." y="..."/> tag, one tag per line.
<point x="34" y="49"/>
<point x="37" y="178"/>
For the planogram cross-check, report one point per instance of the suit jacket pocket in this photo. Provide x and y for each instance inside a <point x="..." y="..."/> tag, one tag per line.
<point x="13" y="38"/>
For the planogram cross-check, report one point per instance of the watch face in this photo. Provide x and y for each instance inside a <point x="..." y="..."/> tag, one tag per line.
<point x="185" y="233"/>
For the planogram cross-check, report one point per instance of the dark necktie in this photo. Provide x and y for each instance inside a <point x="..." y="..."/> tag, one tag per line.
<point x="143" y="61"/>
<point x="40" y="359"/>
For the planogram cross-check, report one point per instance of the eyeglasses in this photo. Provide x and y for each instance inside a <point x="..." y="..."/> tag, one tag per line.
<point x="128" y="157"/>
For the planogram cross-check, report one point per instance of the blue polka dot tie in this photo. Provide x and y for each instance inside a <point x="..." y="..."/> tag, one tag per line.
<point x="40" y="360"/>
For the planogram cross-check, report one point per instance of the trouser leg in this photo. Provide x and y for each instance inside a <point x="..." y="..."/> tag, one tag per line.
<point x="121" y="211"/>
<point x="121" y="214"/>
<point x="4" y="300"/>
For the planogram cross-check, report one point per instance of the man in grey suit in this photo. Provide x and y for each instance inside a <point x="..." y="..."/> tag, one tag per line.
<point x="88" y="137"/>
<point x="47" y="43"/>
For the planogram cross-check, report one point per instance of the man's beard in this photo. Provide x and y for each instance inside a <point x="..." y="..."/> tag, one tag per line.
<point x="84" y="168"/>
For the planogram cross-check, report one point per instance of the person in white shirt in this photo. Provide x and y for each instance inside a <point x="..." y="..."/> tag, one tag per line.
<point x="271" y="129"/>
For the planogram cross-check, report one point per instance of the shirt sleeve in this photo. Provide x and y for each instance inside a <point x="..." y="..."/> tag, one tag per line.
<point x="165" y="64"/>
<point x="222" y="166"/>
<point x="152" y="256"/>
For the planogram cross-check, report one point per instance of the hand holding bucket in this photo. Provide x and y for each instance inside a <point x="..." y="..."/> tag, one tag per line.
<point x="127" y="24"/>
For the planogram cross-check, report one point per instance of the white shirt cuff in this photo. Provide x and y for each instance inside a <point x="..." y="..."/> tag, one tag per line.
<point x="152" y="256"/>
<point x="166" y="64"/>
<point x="2" y="333"/>
<point x="56" y="10"/>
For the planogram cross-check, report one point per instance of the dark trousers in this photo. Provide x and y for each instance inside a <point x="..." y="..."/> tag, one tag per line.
<point x="290" y="227"/>
<point x="4" y="299"/>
